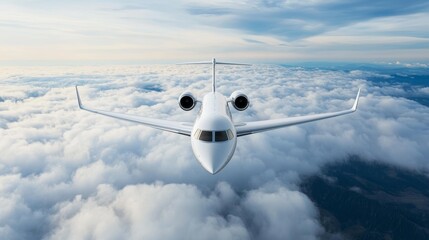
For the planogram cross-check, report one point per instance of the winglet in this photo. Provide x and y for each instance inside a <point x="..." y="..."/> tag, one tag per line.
<point x="355" y="105"/>
<point x="78" y="98"/>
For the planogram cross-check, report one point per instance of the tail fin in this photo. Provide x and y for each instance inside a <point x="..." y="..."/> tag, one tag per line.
<point x="214" y="62"/>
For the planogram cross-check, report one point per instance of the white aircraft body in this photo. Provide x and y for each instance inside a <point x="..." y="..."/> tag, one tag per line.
<point x="214" y="134"/>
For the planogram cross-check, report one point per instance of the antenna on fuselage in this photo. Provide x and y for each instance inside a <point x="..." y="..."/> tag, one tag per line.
<point x="213" y="63"/>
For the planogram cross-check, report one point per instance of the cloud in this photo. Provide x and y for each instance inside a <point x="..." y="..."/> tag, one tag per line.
<point x="130" y="32"/>
<point x="267" y="213"/>
<point x="141" y="211"/>
<point x="293" y="20"/>
<point x="66" y="173"/>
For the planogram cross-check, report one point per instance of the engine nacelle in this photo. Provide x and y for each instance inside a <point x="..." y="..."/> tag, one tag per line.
<point x="239" y="100"/>
<point x="187" y="101"/>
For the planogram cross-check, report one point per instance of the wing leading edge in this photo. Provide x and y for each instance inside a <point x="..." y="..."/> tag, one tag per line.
<point x="183" y="128"/>
<point x="261" y="126"/>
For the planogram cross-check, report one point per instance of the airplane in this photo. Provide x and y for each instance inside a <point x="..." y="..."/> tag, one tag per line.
<point x="214" y="133"/>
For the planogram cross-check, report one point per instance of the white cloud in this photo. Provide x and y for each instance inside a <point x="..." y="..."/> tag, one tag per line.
<point x="268" y="211"/>
<point x="173" y="211"/>
<point x="62" y="170"/>
<point x="179" y="211"/>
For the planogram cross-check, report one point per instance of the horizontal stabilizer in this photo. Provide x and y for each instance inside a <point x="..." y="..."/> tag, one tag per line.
<point x="239" y="64"/>
<point x="214" y="63"/>
<point x="220" y="63"/>
<point x="192" y="63"/>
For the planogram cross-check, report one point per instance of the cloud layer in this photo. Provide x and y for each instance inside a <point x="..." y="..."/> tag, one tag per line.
<point x="66" y="173"/>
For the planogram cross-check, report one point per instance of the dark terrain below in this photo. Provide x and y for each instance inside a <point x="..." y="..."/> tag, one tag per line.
<point x="367" y="200"/>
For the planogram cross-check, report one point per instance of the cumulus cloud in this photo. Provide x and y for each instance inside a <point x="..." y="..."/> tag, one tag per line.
<point x="65" y="173"/>
<point x="172" y="211"/>
<point x="180" y="211"/>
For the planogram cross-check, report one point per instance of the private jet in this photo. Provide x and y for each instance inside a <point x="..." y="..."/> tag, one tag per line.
<point x="214" y="133"/>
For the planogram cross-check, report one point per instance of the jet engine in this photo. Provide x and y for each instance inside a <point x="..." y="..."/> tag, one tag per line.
<point x="187" y="101"/>
<point x="239" y="100"/>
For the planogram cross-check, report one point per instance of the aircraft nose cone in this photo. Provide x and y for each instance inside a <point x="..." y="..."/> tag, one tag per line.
<point x="214" y="156"/>
<point x="213" y="165"/>
<point x="214" y="159"/>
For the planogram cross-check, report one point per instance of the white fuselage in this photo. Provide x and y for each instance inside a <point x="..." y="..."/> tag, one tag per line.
<point x="214" y="136"/>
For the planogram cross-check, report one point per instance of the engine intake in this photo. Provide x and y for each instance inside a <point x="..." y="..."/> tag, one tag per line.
<point x="239" y="101"/>
<point x="187" y="101"/>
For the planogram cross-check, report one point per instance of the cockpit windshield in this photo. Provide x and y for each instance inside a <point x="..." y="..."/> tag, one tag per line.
<point x="206" y="136"/>
<point x="221" y="136"/>
<point x="217" y="136"/>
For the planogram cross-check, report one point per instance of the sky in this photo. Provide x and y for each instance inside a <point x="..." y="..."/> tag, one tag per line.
<point x="70" y="174"/>
<point x="35" y="32"/>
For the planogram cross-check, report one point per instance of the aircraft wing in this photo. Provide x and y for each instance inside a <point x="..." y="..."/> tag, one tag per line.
<point x="183" y="128"/>
<point x="247" y="128"/>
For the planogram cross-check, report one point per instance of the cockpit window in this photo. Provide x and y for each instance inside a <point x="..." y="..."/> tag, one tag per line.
<point x="230" y="134"/>
<point x="206" y="136"/>
<point x="197" y="133"/>
<point x="221" y="136"/>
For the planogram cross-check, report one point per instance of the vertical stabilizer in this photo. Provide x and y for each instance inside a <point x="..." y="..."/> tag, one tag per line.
<point x="214" y="75"/>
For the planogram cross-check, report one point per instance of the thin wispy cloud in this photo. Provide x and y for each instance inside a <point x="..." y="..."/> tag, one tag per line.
<point x="38" y="32"/>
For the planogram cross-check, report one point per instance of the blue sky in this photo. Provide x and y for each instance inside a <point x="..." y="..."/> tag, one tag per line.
<point x="111" y="32"/>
